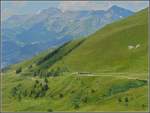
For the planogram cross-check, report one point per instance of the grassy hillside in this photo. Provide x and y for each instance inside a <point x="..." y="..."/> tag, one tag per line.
<point x="78" y="93"/>
<point x="107" y="49"/>
<point x="114" y="58"/>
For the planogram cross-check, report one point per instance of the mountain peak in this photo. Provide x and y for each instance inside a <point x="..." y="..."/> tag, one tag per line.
<point x="52" y="10"/>
<point x="120" y="10"/>
<point x="115" y="8"/>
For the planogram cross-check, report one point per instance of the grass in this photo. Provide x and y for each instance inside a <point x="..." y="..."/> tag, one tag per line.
<point x="107" y="49"/>
<point x="95" y="89"/>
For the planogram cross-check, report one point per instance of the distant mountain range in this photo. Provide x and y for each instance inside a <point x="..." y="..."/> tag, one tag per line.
<point x="26" y="35"/>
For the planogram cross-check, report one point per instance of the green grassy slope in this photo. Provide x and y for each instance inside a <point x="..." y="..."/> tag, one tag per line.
<point x="107" y="49"/>
<point x="89" y="93"/>
<point x="118" y="81"/>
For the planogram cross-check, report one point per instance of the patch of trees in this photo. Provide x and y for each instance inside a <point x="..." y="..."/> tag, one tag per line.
<point x="78" y="98"/>
<point x="76" y="104"/>
<point x="57" y="55"/>
<point x="71" y="49"/>
<point x="52" y="53"/>
<point x="38" y="89"/>
<point x="124" y="100"/>
<point x="76" y="101"/>
<point x="19" y="70"/>
<point x="54" y="72"/>
<point x="18" y="92"/>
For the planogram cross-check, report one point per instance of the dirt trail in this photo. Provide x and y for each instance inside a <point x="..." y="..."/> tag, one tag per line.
<point x="118" y="75"/>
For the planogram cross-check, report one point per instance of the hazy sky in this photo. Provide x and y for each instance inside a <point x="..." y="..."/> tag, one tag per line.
<point x="28" y="7"/>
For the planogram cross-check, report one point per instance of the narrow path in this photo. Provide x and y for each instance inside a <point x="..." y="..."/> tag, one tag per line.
<point x="118" y="75"/>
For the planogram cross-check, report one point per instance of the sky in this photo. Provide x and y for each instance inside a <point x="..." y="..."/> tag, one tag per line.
<point x="9" y="8"/>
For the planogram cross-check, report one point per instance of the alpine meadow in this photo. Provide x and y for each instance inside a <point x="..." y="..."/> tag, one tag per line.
<point x="106" y="70"/>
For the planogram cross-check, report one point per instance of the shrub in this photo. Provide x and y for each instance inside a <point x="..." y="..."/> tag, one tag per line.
<point x="85" y="99"/>
<point x="45" y="87"/>
<point x="76" y="101"/>
<point x="126" y="101"/>
<point x="30" y="67"/>
<point x="93" y="91"/>
<point x="61" y="95"/>
<point x="46" y="80"/>
<point x="18" y="92"/>
<point x="36" y="81"/>
<point x="38" y="89"/>
<point x="35" y="74"/>
<point x="72" y="91"/>
<point x="76" y="106"/>
<point x="19" y="70"/>
<point x="50" y="110"/>
<point x="143" y="106"/>
<point x="25" y="93"/>
<point x="14" y="91"/>
<point x="119" y="99"/>
<point x="19" y="97"/>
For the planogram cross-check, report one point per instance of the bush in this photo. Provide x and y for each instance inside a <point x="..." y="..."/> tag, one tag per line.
<point x="25" y="93"/>
<point x="61" y="95"/>
<point x="76" y="101"/>
<point x="30" y="67"/>
<point x="14" y="91"/>
<point x="45" y="87"/>
<point x="46" y="80"/>
<point x="72" y="91"/>
<point x="126" y="101"/>
<point x="19" y="97"/>
<point x="93" y="91"/>
<point x="143" y="106"/>
<point x="18" y="92"/>
<point x="38" y="89"/>
<point x="85" y="99"/>
<point x="19" y="70"/>
<point x="36" y="81"/>
<point x="50" y="110"/>
<point x="76" y="106"/>
<point x="35" y="74"/>
<point x="119" y="99"/>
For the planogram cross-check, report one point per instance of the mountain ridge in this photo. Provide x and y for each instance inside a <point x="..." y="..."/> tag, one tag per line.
<point x="53" y="28"/>
<point x="122" y="36"/>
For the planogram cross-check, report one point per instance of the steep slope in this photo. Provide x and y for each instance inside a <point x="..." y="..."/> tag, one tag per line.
<point x="118" y="47"/>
